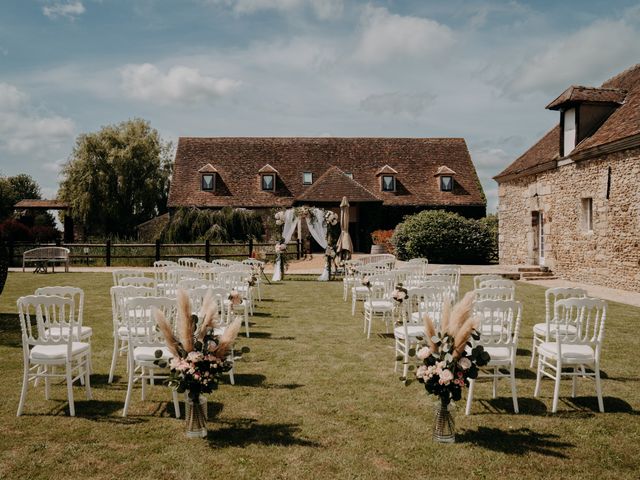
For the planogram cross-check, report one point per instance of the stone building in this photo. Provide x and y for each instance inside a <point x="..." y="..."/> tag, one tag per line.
<point x="383" y="178"/>
<point x="572" y="201"/>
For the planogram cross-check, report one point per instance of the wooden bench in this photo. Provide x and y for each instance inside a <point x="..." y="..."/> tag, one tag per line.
<point x="43" y="256"/>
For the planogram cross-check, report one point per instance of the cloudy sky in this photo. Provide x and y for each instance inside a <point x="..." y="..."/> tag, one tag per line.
<point x="482" y="70"/>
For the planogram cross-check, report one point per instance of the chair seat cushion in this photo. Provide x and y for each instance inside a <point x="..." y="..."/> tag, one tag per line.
<point x="148" y="354"/>
<point x="85" y="332"/>
<point x="412" y="331"/>
<point x="379" y="305"/>
<point x="57" y="352"/>
<point x="540" y="329"/>
<point x="499" y="355"/>
<point x="124" y="331"/>
<point x="571" y="353"/>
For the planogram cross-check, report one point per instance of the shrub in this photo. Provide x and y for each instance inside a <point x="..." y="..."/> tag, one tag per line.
<point x="13" y="230"/>
<point x="443" y="237"/>
<point x="226" y="225"/>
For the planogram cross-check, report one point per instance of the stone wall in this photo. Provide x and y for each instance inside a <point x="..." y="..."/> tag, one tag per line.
<point x="607" y="255"/>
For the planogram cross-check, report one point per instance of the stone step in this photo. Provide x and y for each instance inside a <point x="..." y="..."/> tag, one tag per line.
<point x="529" y="269"/>
<point x="536" y="274"/>
<point x="529" y="279"/>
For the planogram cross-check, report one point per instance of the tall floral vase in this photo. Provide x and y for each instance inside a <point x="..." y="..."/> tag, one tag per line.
<point x="195" y="416"/>
<point x="443" y="426"/>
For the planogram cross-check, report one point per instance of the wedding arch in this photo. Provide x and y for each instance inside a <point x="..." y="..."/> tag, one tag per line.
<point x="317" y="223"/>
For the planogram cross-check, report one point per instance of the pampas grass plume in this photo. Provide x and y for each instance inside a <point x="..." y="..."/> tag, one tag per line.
<point x="463" y="334"/>
<point x="227" y="338"/>
<point x="167" y="332"/>
<point x="430" y="331"/>
<point x="185" y="322"/>
<point x="460" y="313"/>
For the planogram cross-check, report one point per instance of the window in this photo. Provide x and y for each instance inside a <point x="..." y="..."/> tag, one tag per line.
<point x="350" y="175"/>
<point x="569" y="131"/>
<point x="268" y="182"/>
<point x="446" y="183"/>
<point x="388" y="183"/>
<point x="307" y="178"/>
<point x="208" y="182"/>
<point x="587" y="214"/>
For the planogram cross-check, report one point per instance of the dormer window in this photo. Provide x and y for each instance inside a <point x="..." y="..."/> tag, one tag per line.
<point x="387" y="176"/>
<point x="388" y="183"/>
<point x="446" y="183"/>
<point x="350" y="175"/>
<point x="569" y="131"/>
<point x="208" y="182"/>
<point x="268" y="177"/>
<point x="307" y="178"/>
<point x="208" y="178"/>
<point x="444" y="175"/>
<point x="268" y="182"/>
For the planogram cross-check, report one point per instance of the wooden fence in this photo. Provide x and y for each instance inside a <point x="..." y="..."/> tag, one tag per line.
<point x="109" y="253"/>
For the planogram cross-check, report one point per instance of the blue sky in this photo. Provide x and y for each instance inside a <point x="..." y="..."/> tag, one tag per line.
<point x="482" y="70"/>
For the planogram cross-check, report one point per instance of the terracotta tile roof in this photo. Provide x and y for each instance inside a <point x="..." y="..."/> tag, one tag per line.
<point x="444" y="170"/>
<point x="386" y="170"/>
<point x="624" y="122"/>
<point x="577" y="94"/>
<point x="239" y="160"/>
<point x="48" y="204"/>
<point x="333" y="185"/>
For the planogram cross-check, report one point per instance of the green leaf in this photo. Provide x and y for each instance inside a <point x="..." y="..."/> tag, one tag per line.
<point x="157" y="354"/>
<point x="412" y="352"/>
<point x="245" y="350"/>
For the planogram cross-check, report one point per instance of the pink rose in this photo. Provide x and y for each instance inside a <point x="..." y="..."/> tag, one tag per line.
<point x="423" y="353"/>
<point x="445" y="377"/>
<point x="235" y="297"/>
<point x="464" y="363"/>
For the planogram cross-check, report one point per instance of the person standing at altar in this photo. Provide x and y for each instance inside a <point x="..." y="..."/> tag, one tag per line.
<point x="307" y="248"/>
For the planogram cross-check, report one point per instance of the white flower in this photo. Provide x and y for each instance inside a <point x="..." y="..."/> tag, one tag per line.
<point x="464" y="363"/>
<point x="423" y="353"/>
<point x="445" y="377"/>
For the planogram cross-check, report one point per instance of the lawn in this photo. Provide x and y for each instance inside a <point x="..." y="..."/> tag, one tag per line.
<point x="315" y="399"/>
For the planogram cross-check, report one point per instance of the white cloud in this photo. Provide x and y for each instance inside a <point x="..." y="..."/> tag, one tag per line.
<point x="71" y="9"/>
<point x="385" y="35"/>
<point x="25" y="131"/>
<point x="603" y="47"/>
<point x="323" y="9"/>
<point x="413" y="104"/>
<point x="179" y="84"/>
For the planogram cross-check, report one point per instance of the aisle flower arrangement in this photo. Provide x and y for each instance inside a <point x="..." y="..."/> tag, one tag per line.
<point x="199" y="358"/>
<point x="400" y="294"/>
<point x="281" y="255"/>
<point x="449" y="357"/>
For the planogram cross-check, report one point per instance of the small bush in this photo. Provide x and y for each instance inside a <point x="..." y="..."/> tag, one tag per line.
<point x="13" y="230"/>
<point x="444" y="237"/>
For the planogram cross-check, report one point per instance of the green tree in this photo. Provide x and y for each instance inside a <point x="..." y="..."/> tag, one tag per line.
<point x="117" y="178"/>
<point x="16" y="188"/>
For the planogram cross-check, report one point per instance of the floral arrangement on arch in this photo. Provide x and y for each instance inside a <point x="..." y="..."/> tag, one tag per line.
<point x="449" y="356"/>
<point x="279" y="216"/>
<point x="331" y="218"/>
<point x="199" y="358"/>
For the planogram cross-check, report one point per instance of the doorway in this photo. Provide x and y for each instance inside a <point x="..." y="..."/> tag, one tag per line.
<point x="537" y="220"/>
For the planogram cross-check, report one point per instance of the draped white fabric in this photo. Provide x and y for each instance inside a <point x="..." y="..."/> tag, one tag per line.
<point x="318" y="227"/>
<point x="290" y="224"/>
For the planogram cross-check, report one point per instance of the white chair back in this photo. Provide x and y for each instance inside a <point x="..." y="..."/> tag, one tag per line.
<point x="552" y="295"/>
<point x="499" y="322"/>
<point x="164" y="263"/>
<point x="233" y="279"/>
<point x="138" y="282"/>
<point x="480" y="278"/>
<point x="191" y="283"/>
<point x="189" y="262"/>
<point x="587" y="315"/>
<point x="140" y="319"/>
<point x="125" y="273"/>
<point x="498" y="283"/>
<point x="495" y="293"/>
<point x="74" y="293"/>
<point x="51" y="314"/>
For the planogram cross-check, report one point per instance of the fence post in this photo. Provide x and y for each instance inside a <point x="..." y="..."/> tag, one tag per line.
<point x="298" y="248"/>
<point x="108" y="253"/>
<point x="250" y="247"/>
<point x="207" y="250"/>
<point x="157" y="250"/>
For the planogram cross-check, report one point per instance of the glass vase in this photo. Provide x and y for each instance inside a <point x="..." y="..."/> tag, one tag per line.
<point x="195" y="416"/>
<point x="444" y="430"/>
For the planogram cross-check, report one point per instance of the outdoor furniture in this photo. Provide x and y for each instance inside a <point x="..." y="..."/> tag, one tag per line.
<point x="43" y="256"/>
<point x="46" y="321"/>
<point x="500" y="325"/>
<point x="573" y="343"/>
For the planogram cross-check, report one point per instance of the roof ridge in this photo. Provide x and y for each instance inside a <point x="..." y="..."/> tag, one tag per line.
<point x="623" y="73"/>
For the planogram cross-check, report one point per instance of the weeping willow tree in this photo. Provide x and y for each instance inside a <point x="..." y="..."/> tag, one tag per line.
<point x="226" y="225"/>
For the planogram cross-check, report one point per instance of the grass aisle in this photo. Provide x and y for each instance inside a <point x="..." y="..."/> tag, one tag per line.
<point x="315" y="399"/>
